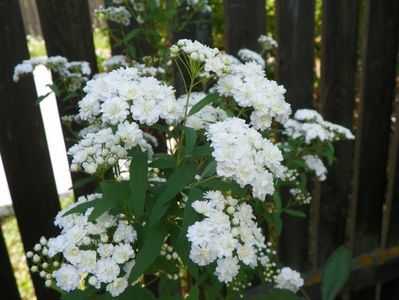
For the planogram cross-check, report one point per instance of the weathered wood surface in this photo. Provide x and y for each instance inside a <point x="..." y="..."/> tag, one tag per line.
<point x="244" y="22"/>
<point x="295" y="36"/>
<point x="67" y="30"/>
<point x="376" y="97"/>
<point x="295" y="53"/>
<point x="338" y="83"/>
<point x="23" y="143"/>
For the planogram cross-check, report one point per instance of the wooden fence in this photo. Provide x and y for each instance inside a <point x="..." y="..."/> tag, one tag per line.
<point x="358" y="204"/>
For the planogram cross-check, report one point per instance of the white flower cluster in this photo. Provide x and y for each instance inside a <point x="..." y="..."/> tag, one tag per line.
<point x="227" y="235"/>
<point x="247" y="55"/>
<point x="300" y="196"/>
<point x="100" y="253"/>
<point x="74" y="73"/>
<point x="289" y="279"/>
<point x="117" y="14"/>
<point x="315" y="164"/>
<point x="97" y="152"/>
<point x="200" y="5"/>
<point x="124" y="95"/>
<point x="267" y="42"/>
<point x="310" y="124"/>
<point x="214" y="61"/>
<point x="206" y="116"/>
<point x="118" y="61"/>
<point x="243" y="155"/>
<point x="249" y="87"/>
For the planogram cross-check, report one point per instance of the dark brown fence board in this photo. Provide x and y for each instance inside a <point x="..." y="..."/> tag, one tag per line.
<point x="295" y="35"/>
<point x="9" y="289"/>
<point x="371" y="149"/>
<point x="244" y="22"/>
<point x="390" y="225"/>
<point x="295" y="59"/>
<point x="67" y="31"/>
<point x="23" y="143"/>
<point x="338" y="72"/>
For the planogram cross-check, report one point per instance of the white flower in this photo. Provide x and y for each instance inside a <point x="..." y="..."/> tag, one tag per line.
<point x="289" y="279"/>
<point x="242" y="154"/>
<point x="227" y="268"/>
<point x="67" y="278"/>
<point x="125" y="232"/>
<point x="315" y="164"/>
<point x="267" y="42"/>
<point x="117" y="287"/>
<point x="247" y="55"/>
<point x="87" y="260"/>
<point x="114" y="111"/>
<point x="105" y="250"/>
<point x="203" y="254"/>
<point x="107" y="270"/>
<point x="122" y="253"/>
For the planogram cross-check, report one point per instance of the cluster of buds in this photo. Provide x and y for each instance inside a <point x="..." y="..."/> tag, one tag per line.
<point x="42" y="263"/>
<point x="168" y="252"/>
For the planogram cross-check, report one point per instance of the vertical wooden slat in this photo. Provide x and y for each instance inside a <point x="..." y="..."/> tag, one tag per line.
<point x="244" y="22"/>
<point x="295" y="37"/>
<point x="67" y="31"/>
<point x="390" y="225"/>
<point x="371" y="149"/>
<point x="8" y="285"/>
<point x="23" y="143"/>
<point x="338" y="72"/>
<point x="295" y="34"/>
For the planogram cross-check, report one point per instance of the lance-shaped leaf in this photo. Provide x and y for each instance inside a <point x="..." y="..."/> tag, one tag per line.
<point x="183" y="175"/>
<point x="149" y="252"/>
<point x="138" y="181"/>
<point x="203" y="102"/>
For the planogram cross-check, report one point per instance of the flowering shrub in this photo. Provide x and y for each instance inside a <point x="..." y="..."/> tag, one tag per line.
<point x="192" y="187"/>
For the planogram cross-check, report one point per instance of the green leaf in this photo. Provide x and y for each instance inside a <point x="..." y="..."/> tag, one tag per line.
<point x="295" y="213"/>
<point x="82" y="182"/>
<point x="115" y="195"/>
<point x="183" y="175"/>
<point x="81" y="208"/>
<point x="210" y="169"/>
<point x="202" y="103"/>
<point x="131" y="35"/>
<point x="277" y="201"/>
<point x="194" y="293"/>
<point x="42" y="97"/>
<point x="191" y="138"/>
<point x="336" y="273"/>
<point x="278" y="223"/>
<point x="279" y="295"/>
<point x="136" y="292"/>
<point x="149" y="252"/>
<point x="138" y="181"/>
<point x="202" y="151"/>
<point x="163" y="161"/>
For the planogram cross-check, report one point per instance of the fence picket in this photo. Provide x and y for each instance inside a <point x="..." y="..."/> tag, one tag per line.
<point x="244" y="22"/>
<point x="295" y="35"/>
<point x="376" y="97"/>
<point x="23" y="143"/>
<point x="338" y="72"/>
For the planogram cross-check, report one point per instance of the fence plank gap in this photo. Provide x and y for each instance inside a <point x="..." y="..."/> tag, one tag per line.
<point x="23" y="143"/>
